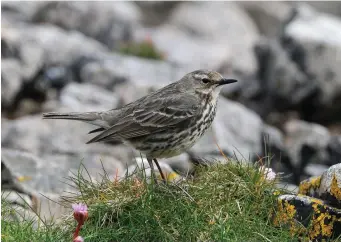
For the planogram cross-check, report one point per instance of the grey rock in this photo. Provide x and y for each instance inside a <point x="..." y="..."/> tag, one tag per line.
<point x="141" y="169"/>
<point x="51" y="42"/>
<point x="128" y="76"/>
<point x="21" y="11"/>
<point x="87" y="97"/>
<point x="156" y="12"/>
<point x="33" y="173"/>
<point x="291" y="188"/>
<point x="18" y="209"/>
<point x="237" y="131"/>
<point x="308" y="210"/>
<point x="201" y="41"/>
<point x="334" y="150"/>
<point x="11" y="81"/>
<point x="181" y="164"/>
<point x="306" y="143"/>
<point x="40" y="181"/>
<point x="273" y="137"/>
<point x="315" y="169"/>
<point x="330" y="186"/>
<point x="268" y="16"/>
<point x="52" y="137"/>
<point x="274" y="151"/>
<point x="102" y="73"/>
<point x="282" y="84"/>
<point x="333" y="7"/>
<point x="109" y="22"/>
<point x="319" y="36"/>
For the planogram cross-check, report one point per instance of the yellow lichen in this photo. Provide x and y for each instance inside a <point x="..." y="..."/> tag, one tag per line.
<point x="322" y="223"/>
<point x="315" y="182"/>
<point x="305" y="186"/>
<point x="319" y="226"/>
<point x="315" y="201"/>
<point x="285" y="213"/>
<point x="335" y="190"/>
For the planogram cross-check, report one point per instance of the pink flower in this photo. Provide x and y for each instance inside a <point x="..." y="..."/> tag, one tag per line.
<point x="80" y="212"/>
<point x="78" y="239"/>
<point x="79" y="207"/>
<point x="268" y="173"/>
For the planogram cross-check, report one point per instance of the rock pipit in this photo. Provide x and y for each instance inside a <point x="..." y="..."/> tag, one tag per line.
<point x="162" y="124"/>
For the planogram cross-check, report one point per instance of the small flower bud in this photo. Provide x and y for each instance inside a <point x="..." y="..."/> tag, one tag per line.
<point x="78" y="239"/>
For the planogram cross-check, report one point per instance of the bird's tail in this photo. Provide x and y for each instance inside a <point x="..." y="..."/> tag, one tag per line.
<point x="88" y="117"/>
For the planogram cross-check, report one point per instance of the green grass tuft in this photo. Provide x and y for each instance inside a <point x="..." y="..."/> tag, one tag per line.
<point x="230" y="202"/>
<point x="143" y="49"/>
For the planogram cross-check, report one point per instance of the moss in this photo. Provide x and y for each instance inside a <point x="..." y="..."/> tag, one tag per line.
<point x="144" y="49"/>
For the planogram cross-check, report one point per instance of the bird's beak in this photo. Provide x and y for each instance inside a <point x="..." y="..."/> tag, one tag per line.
<point x="226" y="81"/>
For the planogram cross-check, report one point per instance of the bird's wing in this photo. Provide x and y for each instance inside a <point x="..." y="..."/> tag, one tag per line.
<point x="150" y="117"/>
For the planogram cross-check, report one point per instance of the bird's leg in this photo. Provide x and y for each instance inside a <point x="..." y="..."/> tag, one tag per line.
<point x="152" y="173"/>
<point x="159" y="168"/>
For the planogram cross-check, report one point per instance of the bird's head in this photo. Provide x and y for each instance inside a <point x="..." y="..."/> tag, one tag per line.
<point x="206" y="82"/>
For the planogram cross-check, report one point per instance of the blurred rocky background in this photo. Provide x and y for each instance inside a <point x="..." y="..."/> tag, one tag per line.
<point x="94" y="56"/>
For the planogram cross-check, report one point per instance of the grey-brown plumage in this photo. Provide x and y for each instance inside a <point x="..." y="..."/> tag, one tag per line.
<point x="164" y="123"/>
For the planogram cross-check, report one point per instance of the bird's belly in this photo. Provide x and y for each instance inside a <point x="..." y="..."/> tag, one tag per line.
<point x="165" y="145"/>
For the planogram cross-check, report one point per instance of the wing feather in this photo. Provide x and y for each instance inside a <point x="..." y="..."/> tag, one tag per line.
<point x="151" y="118"/>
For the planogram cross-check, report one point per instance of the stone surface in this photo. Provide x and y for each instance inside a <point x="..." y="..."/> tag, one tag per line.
<point x="332" y="7"/>
<point x="156" y="12"/>
<point x="268" y="16"/>
<point x="330" y="187"/>
<point x="62" y="137"/>
<point x="274" y="150"/>
<point x="281" y="83"/>
<point x="319" y="39"/>
<point x="306" y="143"/>
<point x="236" y="129"/>
<point x="11" y="81"/>
<point x="53" y="43"/>
<point x="205" y="42"/>
<point x="297" y="212"/>
<point x="326" y="187"/>
<point x="128" y="76"/>
<point x="23" y="11"/>
<point x="141" y="169"/>
<point x="77" y="97"/>
<point x="315" y="169"/>
<point x="109" y="22"/>
<point x="334" y="150"/>
<point x="180" y="164"/>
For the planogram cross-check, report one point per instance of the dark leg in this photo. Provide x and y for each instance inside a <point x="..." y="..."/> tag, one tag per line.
<point x="152" y="173"/>
<point x="159" y="168"/>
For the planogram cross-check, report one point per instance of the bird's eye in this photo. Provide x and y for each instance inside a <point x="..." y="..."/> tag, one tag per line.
<point x="205" y="80"/>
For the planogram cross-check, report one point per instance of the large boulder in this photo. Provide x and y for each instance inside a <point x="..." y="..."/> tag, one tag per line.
<point x="268" y="16"/>
<point x="109" y="22"/>
<point x="130" y="77"/>
<point x="313" y="41"/>
<point x="52" y="43"/>
<point x="192" y="37"/>
<point x="306" y="143"/>
<point x="11" y="81"/>
<point x="48" y="137"/>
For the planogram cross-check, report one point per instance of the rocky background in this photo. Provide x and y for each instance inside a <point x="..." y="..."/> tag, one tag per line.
<point x="94" y="56"/>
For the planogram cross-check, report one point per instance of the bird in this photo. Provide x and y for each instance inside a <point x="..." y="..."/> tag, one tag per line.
<point x="162" y="124"/>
